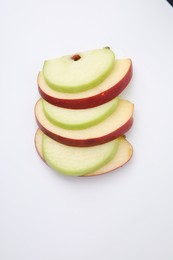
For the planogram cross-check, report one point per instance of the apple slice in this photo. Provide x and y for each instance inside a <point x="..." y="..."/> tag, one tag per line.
<point x="111" y="87"/>
<point x="76" y="119"/>
<point x="77" y="161"/>
<point x="79" y="72"/>
<point x="119" y="122"/>
<point x="122" y="156"/>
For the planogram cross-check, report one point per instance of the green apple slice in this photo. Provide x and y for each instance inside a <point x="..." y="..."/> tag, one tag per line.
<point x="77" y="161"/>
<point x="76" y="119"/>
<point x="122" y="156"/>
<point x="80" y="72"/>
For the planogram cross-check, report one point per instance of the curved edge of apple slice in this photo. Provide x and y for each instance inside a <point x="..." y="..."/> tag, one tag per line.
<point x="85" y="142"/>
<point x="88" y="142"/>
<point x="122" y="156"/>
<point x="38" y="143"/>
<point x="89" y="101"/>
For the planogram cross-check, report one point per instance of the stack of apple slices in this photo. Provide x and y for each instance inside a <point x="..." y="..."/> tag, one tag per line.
<point x="81" y="119"/>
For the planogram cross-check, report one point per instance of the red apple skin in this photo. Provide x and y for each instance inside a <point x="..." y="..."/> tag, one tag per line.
<point x="92" y="101"/>
<point x="88" y="142"/>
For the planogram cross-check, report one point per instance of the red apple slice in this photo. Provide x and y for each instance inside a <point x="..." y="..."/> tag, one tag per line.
<point x="119" y="122"/>
<point x="111" y="87"/>
<point x="122" y="156"/>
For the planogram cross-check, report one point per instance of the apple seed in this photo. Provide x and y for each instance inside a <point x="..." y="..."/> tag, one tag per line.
<point x="76" y="57"/>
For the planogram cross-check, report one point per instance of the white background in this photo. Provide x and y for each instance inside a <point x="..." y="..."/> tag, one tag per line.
<point x="124" y="215"/>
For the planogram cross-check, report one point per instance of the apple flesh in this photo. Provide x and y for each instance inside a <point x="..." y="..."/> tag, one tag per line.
<point x="80" y="72"/>
<point x="81" y="129"/>
<point x="76" y="119"/>
<point x="77" y="161"/>
<point x="122" y="155"/>
<point x="119" y="122"/>
<point x="111" y="87"/>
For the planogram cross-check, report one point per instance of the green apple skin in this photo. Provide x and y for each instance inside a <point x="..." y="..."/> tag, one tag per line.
<point x="65" y="74"/>
<point x="75" y="161"/>
<point x="97" y="115"/>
